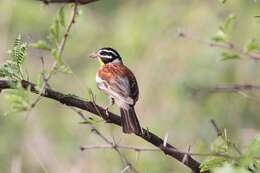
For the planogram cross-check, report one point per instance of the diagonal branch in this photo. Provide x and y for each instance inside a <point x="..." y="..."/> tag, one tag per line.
<point x="89" y="106"/>
<point x="232" y="88"/>
<point x="227" y="46"/>
<point x="68" y="1"/>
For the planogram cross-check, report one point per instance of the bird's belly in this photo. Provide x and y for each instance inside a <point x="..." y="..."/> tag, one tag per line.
<point x="100" y="83"/>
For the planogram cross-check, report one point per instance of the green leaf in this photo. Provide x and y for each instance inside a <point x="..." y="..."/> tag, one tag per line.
<point x="40" y="44"/>
<point x="61" y="16"/>
<point x="55" y="28"/>
<point x="229" y="56"/>
<point x="54" y="33"/>
<point x="219" y="145"/>
<point x="252" y="153"/>
<point x="229" y="168"/>
<point x="19" y="99"/>
<point x="224" y="30"/>
<point x="229" y="23"/>
<point x="220" y="36"/>
<point x="13" y="68"/>
<point x="211" y="163"/>
<point x="56" y="56"/>
<point x="18" y="52"/>
<point x="64" y="69"/>
<point x="252" y="46"/>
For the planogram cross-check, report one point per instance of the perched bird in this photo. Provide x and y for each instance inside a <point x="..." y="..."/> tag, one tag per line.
<point x="117" y="81"/>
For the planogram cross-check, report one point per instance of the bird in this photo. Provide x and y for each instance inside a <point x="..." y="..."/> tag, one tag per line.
<point x="119" y="83"/>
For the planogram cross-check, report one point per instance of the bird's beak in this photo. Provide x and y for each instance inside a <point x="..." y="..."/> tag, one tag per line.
<point x="93" y="55"/>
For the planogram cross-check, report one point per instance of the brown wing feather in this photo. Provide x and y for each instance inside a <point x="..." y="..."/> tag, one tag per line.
<point x="111" y="73"/>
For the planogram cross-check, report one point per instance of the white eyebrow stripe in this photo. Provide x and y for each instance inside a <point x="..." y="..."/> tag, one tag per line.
<point x="108" y="51"/>
<point x="106" y="56"/>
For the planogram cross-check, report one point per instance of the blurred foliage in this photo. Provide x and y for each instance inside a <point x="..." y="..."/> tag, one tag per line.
<point x="17" y="98"/>
<point x="167" y="67"/>
<point x="13" y="68"/>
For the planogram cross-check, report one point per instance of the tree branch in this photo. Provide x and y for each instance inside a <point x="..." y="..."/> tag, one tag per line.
<point x="227" y="46"/>
<point x="90" y="106"/>
<point x="83" y="2"/>
<point x="225" y="88"/>
<point x="142" y="149"/>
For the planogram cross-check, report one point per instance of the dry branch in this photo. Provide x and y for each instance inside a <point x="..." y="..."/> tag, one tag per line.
<point x="227" y="46"/>
<point x="83" y="2"/>
<point x="89" y="106"/>
<point x="232" y="88"/>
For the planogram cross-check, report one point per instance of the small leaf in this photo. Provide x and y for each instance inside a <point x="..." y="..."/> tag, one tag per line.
<point x="229" y="56"/>
<point x="64" y="69"/>
<point x="219" y="145"/>
<point x="19" y="99"/>
<point x="61" y="16"/>
<point x="220" y="36"/>
<point x="230" y="168"/>
<point x="40" y="44"/>
<point x="252" y="46"/>
<point x="56" y="56"/>
<point x="13" y="68"/>
<point x="18" y="52"/>
<point x="211" y="163"/>
<point x="229" y="23"/>
<point x="54" y="31"/>
<point x="252" y="153"/>
<point x="223" y="32"/>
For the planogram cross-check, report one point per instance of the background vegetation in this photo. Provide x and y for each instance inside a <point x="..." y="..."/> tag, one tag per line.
<point x="169" y="70"/>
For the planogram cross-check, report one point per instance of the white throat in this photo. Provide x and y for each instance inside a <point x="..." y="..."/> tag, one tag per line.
<point x="116" y="61"/>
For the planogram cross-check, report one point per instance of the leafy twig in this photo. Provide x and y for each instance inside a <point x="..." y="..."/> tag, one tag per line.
<point x="227" y="46"/>
<point x="60" y="52"/>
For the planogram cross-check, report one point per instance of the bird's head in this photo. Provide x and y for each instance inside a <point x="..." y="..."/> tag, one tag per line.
<point x="106" y="55"/>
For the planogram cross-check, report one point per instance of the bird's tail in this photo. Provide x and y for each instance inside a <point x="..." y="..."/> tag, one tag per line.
<point x="129" y="121"/>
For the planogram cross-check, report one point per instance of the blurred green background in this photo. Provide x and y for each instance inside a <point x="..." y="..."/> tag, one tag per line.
<point x="167" y="68"/>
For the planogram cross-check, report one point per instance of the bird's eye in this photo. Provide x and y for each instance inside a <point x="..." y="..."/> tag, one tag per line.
<point x="103" y="53"/>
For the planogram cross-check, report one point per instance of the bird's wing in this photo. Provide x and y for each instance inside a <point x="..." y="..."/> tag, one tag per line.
<point x="118" y="87"/>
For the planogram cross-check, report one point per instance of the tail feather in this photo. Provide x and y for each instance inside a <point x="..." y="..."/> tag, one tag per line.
<point x="129" y="121"/>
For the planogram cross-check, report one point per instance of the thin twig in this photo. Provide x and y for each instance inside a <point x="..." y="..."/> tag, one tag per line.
<point x="219" y="133"/>
<point x="142" y="149"/>
<point x="227" y="46"/>
<point x="60" y="52"/>
<point x="232" y="88"/>
<point x="83" y="2"/>
<point x="110" y="143"/>
<point x="126" y="147"/>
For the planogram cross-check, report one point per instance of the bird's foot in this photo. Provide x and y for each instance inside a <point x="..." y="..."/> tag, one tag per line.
<point x="111" y="103"/>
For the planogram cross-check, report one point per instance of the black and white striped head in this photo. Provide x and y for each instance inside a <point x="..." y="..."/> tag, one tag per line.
<point x="107" y="55"/>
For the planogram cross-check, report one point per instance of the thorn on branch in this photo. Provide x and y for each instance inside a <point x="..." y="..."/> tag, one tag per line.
<point x="219" y="133"/>
<point x="185" y="158"/>
<point x="78" y="103"/>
